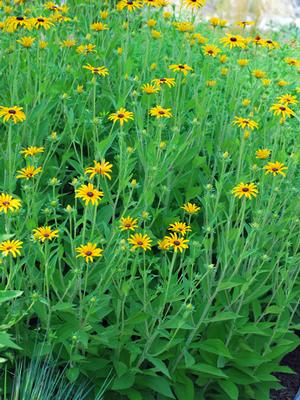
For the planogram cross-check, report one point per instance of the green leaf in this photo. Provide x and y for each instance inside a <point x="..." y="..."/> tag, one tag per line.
<point x="208" y="370"/>
<point x="124" y="382"/>
<point x="224" y="316"/>
<point x="230" y="389"/>
<point x="160" y="365"/>
<point x="215" y="346"/>
<point x="5" y="341"/>
<point x="6" y="295"/>
<point x="72" y="374"/>
<point x="158" y="384"/>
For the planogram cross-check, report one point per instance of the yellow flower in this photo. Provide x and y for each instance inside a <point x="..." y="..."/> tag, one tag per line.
<point x="245" y="123"/>
<point x="263" y="153"/>
<point x="184" y="26"/>
<point x="69" y="43"/>
<point x="243" y="24"/>
<point x="15" y="113"/>
<point x="160" y="112"/>
<point x="89" y="251"/>
<point x="163" y="244"/>
<point x="245" y="189"/>
<point x="184" y="68"/>
<point x="28" y="172"/>
<point x="287" y="99"/>
<point x="243" y="62"/>
<point x="151" y="23"/>
<point x="119" y="50"/>
<point x="180" y="227"/>
<point x="89" y="194"/>
<point x="176" y="242"/>
<point x="155" y="34"/>
<point x="43" y="44"/>
<point x="150" y="89"/>
<point x="164" y="81"/>
<point x="246" y="102"/>
<point x="122" y="115"/>
<point x="8" y="203"/>
<point x="282" y="110"/>
<point x="44" y="233"/>
<point x="195" y="3"/>
<point x="257" y="73"/>
<point x="13" y="23"/>
<point x="140" y="241"/>
<point x="233" y="41"/>
<point x="266" y="82"/>
<point x="211" y="83"/>
<point x="200" y="39"/>
<point x="104" y="14"/>
<point x="167" y="15"/>
<point x="271" y="44"/>
<point x="128" y="224"/>
<point x="79" y="89"/>
<point x="11" y="247"/>
<point x="99" y="26"/>
<point x="282" y="83"/>
<point x="102" y="71"/>
<point x="292" y="61"/>
<point x="26" y="41"/>
<point x="191" y="208"/>
<point x="223" y="58"/>
<point x="32" y="151"/>
<point x="211" y="50"/>
<point x="275" y="168"/>
<point x="131" y="5"/>
<point x="42" y="22"/>
<point x="100" y="168"/>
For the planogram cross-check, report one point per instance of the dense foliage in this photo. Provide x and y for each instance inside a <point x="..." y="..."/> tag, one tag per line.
<point x="149" y="198"/>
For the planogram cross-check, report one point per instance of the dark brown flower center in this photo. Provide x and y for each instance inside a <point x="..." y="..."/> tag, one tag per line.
<point x="245" y="121"/>
<point x="140" y="243"/>
<point x="20" y="18"/>
<point x="6" y="203"/>
<point x="8" y="247"/>
<point x="127" y="225"/>
<point x="233" y="39"/>
<point x="46" y="235"/>
<point x="269" y="41"/>
<point x="121" y="115"/>
<point x="95" y="70"/>
<point x="41" y="20"/>
<point x="245" y="189"/>
<point x="163" y="79"/>
<point x="275" y="169"/>
<point x="181" y="66"/>
<point x="130" y="3"/>
<point x="12" y="111"/>
<point x="176" y="242"/>
<point x="210" y="52"/>
<point x="161" y="112"/>
<point x="90" y="194"/>
<point x="88" y="253"/>
<point x="282" y="108"/>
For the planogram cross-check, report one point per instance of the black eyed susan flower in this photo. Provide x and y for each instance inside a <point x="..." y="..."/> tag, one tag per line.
<point x="177" y="243"/>
<point x="89" y="251"/>
<point x="243" y="62"/>
<point x="122" y="115"/>
<point x="42" y="22"/>
<point x="183" y="68"/>
<point x="150" y="89"/>
<point x="287" y="99"/>
<point x="282" y="110"/>
<point x="13" y="23"/>
<point x="100" y="168"/>
<point x="50" y="5"/>
<point x="28" y="172"/>
<point x="140" y="241"/>
<point x="44" y="233"/>
<point x="130" y="5"/>
<point x="163" y="244"/>
<point x="89" y="194"/>
<point x="211" y="50"/>
<point x="270" y="44"/>
<point x="68" y="43"/>
<point x="195" y="3"/>
<point x="180" y="227"/>
<point x="233" y="41"/>
<point x="103" y="71"/>
<point x="292" y="61"/>
<point x="245" y="123"/>
<point x="15" y="113"/>
<point x="153" y="3"/>
<point x="8" y="203"/>
<point x="170" y="82"/>
<point x="160" y="112"/>
<point x="128" y="224"/>
<point x="32" y="151"/>
<point x="245" y="190"/>
<point x="99" y="27"/>
<point x="243" y="24"/>
<point x="275" y="168"/>
<point x="263" y="153"/>
<point x="26" y="41"/>
<point x="190" y="208"/>
<point x="11" y="247"/>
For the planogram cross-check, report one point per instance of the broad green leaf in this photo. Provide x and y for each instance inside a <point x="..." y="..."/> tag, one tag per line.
<point x="230" y="389"/>
<point x="6" y="295"/>
<point x="5" y="341"/>
<point x="208" y="370"/>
